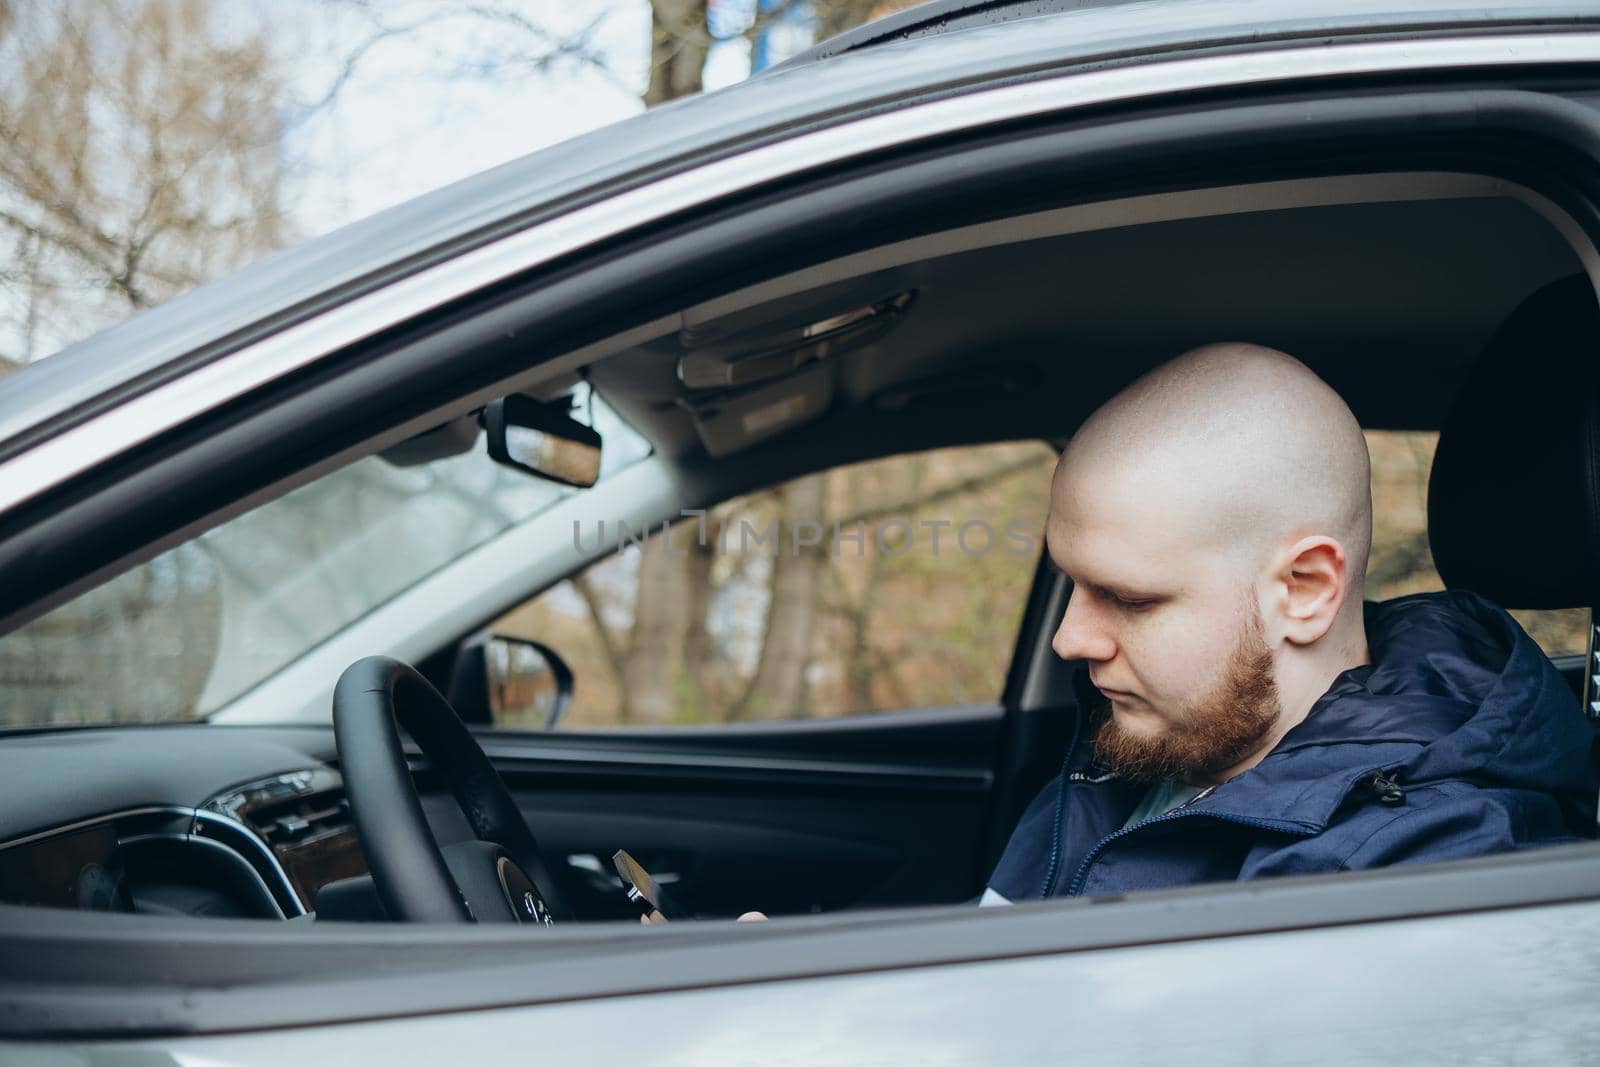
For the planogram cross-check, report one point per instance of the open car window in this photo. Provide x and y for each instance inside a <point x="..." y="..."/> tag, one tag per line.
<point x="178" y="637"/>
<point x="893" y="584"/>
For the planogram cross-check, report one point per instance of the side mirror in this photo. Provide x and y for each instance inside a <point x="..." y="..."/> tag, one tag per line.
<point x="510" y="681"/>
<point x="542" y="439"/>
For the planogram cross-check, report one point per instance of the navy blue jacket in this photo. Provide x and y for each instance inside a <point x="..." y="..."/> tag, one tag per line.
<point x="1459" y="739"/>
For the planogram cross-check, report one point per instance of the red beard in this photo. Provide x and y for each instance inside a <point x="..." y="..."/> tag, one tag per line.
<point x="1210" y="735"/>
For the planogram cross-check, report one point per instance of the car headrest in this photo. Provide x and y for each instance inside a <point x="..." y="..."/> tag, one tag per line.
<point x="1514" y="497"/>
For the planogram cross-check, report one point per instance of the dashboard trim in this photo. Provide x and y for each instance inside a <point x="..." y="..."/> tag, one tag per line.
<point x="254" y="853"/>
<point x="237" y="857"/>
<point x="287" y="899"/>
<point x="96" y="820"/>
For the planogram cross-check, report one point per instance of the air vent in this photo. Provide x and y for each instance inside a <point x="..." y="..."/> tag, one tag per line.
<point x="291" y="809"/>
<point x="303" y="819"/>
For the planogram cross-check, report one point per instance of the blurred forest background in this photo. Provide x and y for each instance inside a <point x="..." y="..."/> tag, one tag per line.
<point x="147" y="146"/>
<point x="725" y="629"/>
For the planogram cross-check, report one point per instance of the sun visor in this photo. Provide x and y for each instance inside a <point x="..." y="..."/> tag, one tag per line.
<point x="734" y="421"/>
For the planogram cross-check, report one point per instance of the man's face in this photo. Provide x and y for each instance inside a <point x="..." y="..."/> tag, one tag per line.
<point x="1168" y="623"/>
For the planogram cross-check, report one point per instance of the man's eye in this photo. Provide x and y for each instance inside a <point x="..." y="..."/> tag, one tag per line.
<point x="1132" y="604"/>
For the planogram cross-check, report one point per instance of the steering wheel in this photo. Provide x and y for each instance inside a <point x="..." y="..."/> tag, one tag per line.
<point x="499" y="877"/>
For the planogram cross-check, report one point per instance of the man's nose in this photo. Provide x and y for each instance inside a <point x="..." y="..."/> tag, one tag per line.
<point x="1083" y="633"/>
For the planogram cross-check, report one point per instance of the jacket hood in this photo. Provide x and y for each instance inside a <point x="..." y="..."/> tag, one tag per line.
<point x="1456" y="690"/>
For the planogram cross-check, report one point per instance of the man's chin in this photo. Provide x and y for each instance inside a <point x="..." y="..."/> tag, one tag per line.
<point x="1134" y="717"/>
<point x="1132" y="742"/>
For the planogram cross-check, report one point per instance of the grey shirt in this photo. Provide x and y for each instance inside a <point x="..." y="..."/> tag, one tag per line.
<point x="1162" y="798"/>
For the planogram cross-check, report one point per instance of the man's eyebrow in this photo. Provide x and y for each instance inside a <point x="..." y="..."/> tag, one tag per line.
<point x="1114" y="589"/>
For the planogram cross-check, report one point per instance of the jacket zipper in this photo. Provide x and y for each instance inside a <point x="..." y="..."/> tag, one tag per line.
<point x="1385" y="786"/>
<point x="1053" y="870"/>
<point x="1082" y="874"/>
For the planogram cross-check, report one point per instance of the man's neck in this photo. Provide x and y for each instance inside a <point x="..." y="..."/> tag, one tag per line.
<point x="1298" y="692"/>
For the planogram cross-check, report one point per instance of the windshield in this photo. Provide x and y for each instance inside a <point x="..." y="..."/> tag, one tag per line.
<point x="181" y="635"/>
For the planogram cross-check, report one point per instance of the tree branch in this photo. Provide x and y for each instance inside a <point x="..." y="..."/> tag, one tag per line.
<point x="591" y="599"/>
<point x="913" y="504"/>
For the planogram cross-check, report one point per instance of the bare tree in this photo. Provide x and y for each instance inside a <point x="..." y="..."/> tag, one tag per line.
<point x="653" y="672"/>
<point x="519" y="45"/>
<point x="467" y="39"/>
<point x="679" y="43"/>
<point x="836" y="16"/>
<point x="778" y="690"/>
<point x="138" y="157"/>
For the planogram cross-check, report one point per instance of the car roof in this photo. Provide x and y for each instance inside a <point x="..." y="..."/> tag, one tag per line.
<point x="157" y="345"/>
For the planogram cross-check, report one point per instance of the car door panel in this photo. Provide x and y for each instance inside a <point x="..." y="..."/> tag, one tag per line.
<point x="786" y="818"/>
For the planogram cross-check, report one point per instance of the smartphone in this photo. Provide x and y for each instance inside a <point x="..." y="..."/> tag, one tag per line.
<point x="643" y="890"/>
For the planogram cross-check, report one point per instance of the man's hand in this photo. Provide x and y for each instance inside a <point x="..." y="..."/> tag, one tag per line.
<point x="748" y="917"/>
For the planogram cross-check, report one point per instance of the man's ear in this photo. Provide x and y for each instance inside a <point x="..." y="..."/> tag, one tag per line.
<point x="1311" y="579"/>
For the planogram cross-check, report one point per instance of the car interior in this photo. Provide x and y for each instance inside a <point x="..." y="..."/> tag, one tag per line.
<point x="1429" y="300"/>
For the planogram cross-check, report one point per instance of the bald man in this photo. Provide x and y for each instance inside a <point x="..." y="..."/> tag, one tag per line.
<point x="1250" y="715"/>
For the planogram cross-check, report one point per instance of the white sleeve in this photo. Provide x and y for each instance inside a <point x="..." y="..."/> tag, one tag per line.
<point x="991" y="899"/>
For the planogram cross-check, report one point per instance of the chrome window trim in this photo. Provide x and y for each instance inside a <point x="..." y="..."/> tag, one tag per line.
<point x="57" y="459"/>
<point x="288" y="899"/>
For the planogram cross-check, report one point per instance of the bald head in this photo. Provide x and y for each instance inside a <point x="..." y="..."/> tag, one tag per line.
<point x="1241" y="447"/>
<point x="1215" y="518"/>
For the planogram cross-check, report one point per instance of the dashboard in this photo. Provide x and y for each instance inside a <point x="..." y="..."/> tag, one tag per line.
<point x="304" y="820"/>
<point x="194" y="820"/>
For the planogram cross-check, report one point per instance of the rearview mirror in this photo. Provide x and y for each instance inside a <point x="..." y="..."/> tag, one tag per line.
<point x="543" y="440"/>
<point x="510" y="681"/>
